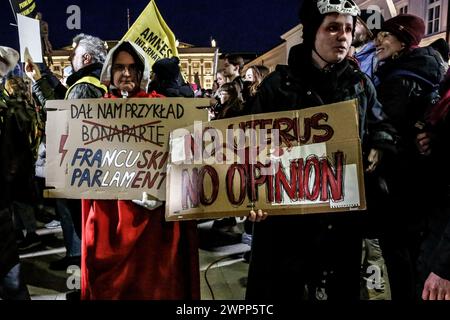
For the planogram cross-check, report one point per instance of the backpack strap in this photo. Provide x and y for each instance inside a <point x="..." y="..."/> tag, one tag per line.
<point x="407" y="73"/>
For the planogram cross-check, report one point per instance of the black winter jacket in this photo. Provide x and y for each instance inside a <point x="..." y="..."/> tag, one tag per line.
<point x="15" y="172"/>
<point x="44" y="91"/>
<point x="289" y="251"/>
<point x="435" y="255"/>
<point x="301" y="85"/>
<point x="405" y="100"/>
<point x="401" y="96"/>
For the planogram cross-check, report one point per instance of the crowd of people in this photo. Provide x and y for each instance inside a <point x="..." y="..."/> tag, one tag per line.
<point x="127" y="250"/>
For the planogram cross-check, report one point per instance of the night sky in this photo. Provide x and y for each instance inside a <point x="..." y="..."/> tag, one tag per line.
<point x="237" y="25"/>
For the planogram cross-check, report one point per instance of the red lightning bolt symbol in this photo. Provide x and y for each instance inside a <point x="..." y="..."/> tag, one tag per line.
<point x="63" y="151"/>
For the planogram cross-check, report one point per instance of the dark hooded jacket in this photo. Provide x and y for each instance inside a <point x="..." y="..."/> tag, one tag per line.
<point x="169" y="81"/>
<point x="400" y="95"/>
<point x="15" y="171"/>
<point x="406" y="100"/>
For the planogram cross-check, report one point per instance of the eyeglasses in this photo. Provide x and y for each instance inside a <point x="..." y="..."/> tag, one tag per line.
<point x="383" y="34"/>
<point x="132" y="68"/>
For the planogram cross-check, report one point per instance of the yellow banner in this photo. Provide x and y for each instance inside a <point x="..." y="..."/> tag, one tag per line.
<point x="24" y="7"/>
<point x="152" y="34"/>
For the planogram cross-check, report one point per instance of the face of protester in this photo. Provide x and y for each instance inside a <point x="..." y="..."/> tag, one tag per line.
<point x="220" y="79"/>
<point x="387" y="45"/>
<point x="79" y="58"/>
<point x="333" y="39"/>
<point x="249" y="75"/>
<point x="224" y="97"/>
<point x="125" y="73"/>
<point x="230" y="70"/>
<point x="361" y="35"/>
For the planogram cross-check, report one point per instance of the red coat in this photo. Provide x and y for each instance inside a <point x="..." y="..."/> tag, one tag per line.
<point x="129" y="252"/>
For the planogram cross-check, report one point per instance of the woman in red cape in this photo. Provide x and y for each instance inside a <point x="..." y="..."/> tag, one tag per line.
<point x="129" y="251"/>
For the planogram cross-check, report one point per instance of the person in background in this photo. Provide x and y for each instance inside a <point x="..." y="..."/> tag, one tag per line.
<point x="363" y="46"/>
<point x="23" y="211"/>
<point x="231" y="105"/>
<point x="12" y="286"/>
<point x="442" y="47"/>
<point x="253" y="78"/>
<point x="86" y="59"/>
<point x="167" y="79"/>
<point x="364" y="51"/>
<point x="215" y="105"/>
<point x="408" y="84"/>
<point x="232" y="68"/>
<point x="434" y="258"/>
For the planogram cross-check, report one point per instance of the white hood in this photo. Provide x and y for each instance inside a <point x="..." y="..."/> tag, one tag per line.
<point x="105" y="76"/>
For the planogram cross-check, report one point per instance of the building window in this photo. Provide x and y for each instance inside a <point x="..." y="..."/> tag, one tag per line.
<point x="208" y="68"/>
<point x="403" y="9"/>
<point x="196" y="67"/>
<point x="208" y="82"/>
<point x="434" y="15"/>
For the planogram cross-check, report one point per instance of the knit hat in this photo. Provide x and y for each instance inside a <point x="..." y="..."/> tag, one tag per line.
<point x="313" y="12"/>
<point x="9" y="57"/>
<point x="167" y="68"/>
<point x="408" y="28"/>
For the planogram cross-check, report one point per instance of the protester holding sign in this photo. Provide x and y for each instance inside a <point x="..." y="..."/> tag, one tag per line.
<point x="129" y="251"/>
<point x="321" y="251"/>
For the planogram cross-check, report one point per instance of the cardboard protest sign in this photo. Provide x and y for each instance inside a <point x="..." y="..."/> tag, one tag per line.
<point x="113" y="148"/>
<point x="294" y="162"/>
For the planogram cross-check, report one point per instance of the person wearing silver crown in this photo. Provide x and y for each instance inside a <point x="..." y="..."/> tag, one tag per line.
<point x="316" y="257"/>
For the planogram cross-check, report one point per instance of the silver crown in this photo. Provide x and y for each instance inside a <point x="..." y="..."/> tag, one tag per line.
<point x="343" y="7"/>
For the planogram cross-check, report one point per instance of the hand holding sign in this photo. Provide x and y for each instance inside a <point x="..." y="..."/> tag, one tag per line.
<point x="423" y="143"/>
<point x="374" y="159"/>
<point x="31" y="69"/>
<point x="257" y="216"/>
<point x="147" y="204"/>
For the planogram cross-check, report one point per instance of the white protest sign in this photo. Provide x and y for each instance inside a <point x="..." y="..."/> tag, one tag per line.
<point x="29" y="38"/>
